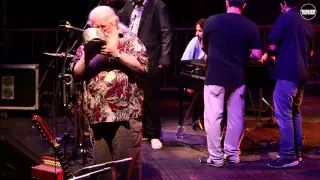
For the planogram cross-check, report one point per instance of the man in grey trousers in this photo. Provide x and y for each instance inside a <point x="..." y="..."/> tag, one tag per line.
<point x="227" y="40"/>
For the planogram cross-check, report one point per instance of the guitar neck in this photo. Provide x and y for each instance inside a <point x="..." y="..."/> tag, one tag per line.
<point x="65" y="167"/>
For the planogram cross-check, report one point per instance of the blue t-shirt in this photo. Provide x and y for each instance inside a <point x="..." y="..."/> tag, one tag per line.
<point x="293" y="35"/>
<point x="230" y="38"/>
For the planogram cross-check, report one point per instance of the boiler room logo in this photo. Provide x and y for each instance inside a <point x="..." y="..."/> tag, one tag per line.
<point x="308" y="11"/>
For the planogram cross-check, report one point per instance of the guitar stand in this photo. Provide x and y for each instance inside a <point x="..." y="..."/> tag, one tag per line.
<point x="81" y="151"/>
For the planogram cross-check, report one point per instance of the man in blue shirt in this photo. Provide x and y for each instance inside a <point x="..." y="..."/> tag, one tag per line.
<point x="290" y="40"/>
<point x="229" y="40"/>
<point x="194" y="51"/>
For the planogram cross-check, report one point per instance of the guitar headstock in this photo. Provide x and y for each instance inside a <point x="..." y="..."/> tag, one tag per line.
<point x="44" y="130"/>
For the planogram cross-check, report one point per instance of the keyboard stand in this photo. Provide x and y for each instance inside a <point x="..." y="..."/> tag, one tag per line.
<point x="182" y="130"/>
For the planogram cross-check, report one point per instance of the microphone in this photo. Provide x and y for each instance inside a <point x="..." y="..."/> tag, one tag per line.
<point x="68" y="26"/>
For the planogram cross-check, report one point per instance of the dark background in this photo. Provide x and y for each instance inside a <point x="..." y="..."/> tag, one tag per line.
<point x="32" y="28"/>
<point x="184" y="13"/>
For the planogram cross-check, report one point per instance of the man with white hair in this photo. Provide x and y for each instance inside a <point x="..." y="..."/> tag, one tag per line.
<point x="112" y="98"/>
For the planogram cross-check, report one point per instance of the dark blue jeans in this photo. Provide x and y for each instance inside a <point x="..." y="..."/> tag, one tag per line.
<point x="287" y="98"/>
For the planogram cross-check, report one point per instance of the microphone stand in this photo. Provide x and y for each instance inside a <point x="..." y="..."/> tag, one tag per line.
<point x="67" y="80"/>
<point x="53" y="102"/>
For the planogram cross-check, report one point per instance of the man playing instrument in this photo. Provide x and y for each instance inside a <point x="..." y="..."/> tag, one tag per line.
<point x="112" y="98"/>
<point x="194" y="51"/>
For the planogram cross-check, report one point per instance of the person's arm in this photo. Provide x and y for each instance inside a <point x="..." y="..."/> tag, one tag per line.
<point x="80" y="63"/>
<point x="256" y="45"/>
<point x="87" y="64"/>
<point x="190" y="49"/>
<point x="276" y="36"/>
<point x="132" y="62"/>
<point x="166" y="36"/>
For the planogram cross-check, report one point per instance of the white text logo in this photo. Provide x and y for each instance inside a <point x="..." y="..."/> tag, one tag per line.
<point x="308" y="11"/>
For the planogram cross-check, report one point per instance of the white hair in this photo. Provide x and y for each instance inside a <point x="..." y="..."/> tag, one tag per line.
<point x="101" y="12"/>
<point x="104" y="12"/>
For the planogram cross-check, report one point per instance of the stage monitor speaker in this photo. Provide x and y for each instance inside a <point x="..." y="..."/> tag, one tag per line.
<point x="15" y="159"/>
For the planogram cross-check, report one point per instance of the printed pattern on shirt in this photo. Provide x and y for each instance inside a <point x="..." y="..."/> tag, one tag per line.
<point x="109" y="96"/>
<point x="136" y="17"/>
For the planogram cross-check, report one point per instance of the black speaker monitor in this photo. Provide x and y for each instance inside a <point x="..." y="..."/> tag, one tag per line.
<point x="15" y="159"/>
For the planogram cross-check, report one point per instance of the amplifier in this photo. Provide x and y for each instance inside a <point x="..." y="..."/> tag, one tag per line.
<point x="47" y="172"/>
<point x="50" y="169"/>
<point x="19" y="86"/>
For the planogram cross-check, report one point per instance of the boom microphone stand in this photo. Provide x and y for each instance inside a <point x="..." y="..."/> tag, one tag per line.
<point x="66" y="80"/>
<point x="53" y="102"/>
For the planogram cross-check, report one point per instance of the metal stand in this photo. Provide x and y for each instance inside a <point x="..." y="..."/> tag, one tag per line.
<point x="67" y="88"/>
<point x="264" y="143"/>
<point x="105" y="166"/>
<point x="181" y="130"/>
<point x="67" y="80"/>
<point x="54" y="101"/>
<point x="80" y="150"/>
<point x="271" y="122"/>
<point x="91" y="173"/>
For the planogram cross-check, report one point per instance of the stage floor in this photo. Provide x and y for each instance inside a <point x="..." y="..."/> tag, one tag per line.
<point x="178" y="159"/>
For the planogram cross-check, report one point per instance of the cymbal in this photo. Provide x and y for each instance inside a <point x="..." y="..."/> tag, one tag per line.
<point x="60" y="54"/>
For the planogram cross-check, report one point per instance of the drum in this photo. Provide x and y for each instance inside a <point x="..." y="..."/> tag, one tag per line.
<point x="93" y="39"/>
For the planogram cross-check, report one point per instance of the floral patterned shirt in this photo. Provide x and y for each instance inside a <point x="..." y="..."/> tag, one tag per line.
<point x="113" y="95"/>
<point x="136" y="17"/>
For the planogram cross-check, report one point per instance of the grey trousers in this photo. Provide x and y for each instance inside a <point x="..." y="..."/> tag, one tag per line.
<point x="214" y="99"/>
<point x="115" y="141"/>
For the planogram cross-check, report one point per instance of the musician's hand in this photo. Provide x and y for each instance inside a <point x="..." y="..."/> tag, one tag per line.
<point x="111" y="47"/>
<point x="190" y="91"/>
<point x="110" y="50"/>
<point x="273" y="58"/>
<point x="264" y="57"/>
<point x="162" y="66"/>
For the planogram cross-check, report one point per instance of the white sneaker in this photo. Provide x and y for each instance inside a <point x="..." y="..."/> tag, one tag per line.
<point x="156" y="144"/>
